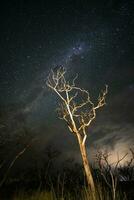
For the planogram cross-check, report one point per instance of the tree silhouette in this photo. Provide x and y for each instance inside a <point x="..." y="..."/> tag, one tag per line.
<point x="78" y="111"/>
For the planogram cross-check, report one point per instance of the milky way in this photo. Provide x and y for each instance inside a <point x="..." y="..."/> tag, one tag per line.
<point x="94" y="40"/>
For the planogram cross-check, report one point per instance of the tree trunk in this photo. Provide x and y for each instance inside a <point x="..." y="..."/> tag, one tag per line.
<point x="87" y="168"/>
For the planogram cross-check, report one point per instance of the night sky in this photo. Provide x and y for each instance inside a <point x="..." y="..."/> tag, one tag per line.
<point x="92" y="38"/>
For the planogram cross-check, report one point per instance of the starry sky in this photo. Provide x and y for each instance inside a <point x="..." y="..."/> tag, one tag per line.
<point x="92" y="38"/>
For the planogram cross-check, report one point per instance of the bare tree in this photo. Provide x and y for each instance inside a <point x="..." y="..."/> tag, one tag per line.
<point x="17" y="156"/>
<point x="78" y="111"/>
<point x="126" y="172"/>
<point x="109" y="171"/>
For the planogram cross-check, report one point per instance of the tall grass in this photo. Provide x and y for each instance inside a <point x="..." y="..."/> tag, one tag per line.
<point x="38" y="195"/>
<point x="82" y="194"/>
<point x="63" y="187"/>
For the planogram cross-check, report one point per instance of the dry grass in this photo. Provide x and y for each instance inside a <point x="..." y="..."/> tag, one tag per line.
<point x="84" y="194"/>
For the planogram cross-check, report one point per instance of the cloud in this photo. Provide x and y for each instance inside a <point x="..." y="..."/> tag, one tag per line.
<point x="113" y="130"/>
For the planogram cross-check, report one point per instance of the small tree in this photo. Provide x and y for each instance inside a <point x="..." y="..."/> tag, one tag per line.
<point x="109" y="171"/>
<point x="78" y="111"/>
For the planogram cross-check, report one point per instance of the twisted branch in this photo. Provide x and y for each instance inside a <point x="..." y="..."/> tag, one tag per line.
<point x="77" y="108"/>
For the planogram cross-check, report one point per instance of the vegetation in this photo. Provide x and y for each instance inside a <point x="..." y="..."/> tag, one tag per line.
<point x="78" y="111"/>
<point x="28" y="172"/>
<point x="67" y="180"/>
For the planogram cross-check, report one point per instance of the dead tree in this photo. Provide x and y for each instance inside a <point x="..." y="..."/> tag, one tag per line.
<point x="109" y="171"/>
<point x="17" y="156"/>
<point x="78" y="111"/>
<point x="126" y="171"/>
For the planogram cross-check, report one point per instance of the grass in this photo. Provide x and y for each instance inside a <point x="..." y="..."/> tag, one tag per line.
<point x="44" y="195"/>
<point x="82" y="194"/>
<point x="60" y="189"/>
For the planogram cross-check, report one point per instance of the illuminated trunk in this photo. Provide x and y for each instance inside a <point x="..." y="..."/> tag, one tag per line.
<point x="86" y="166"/>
